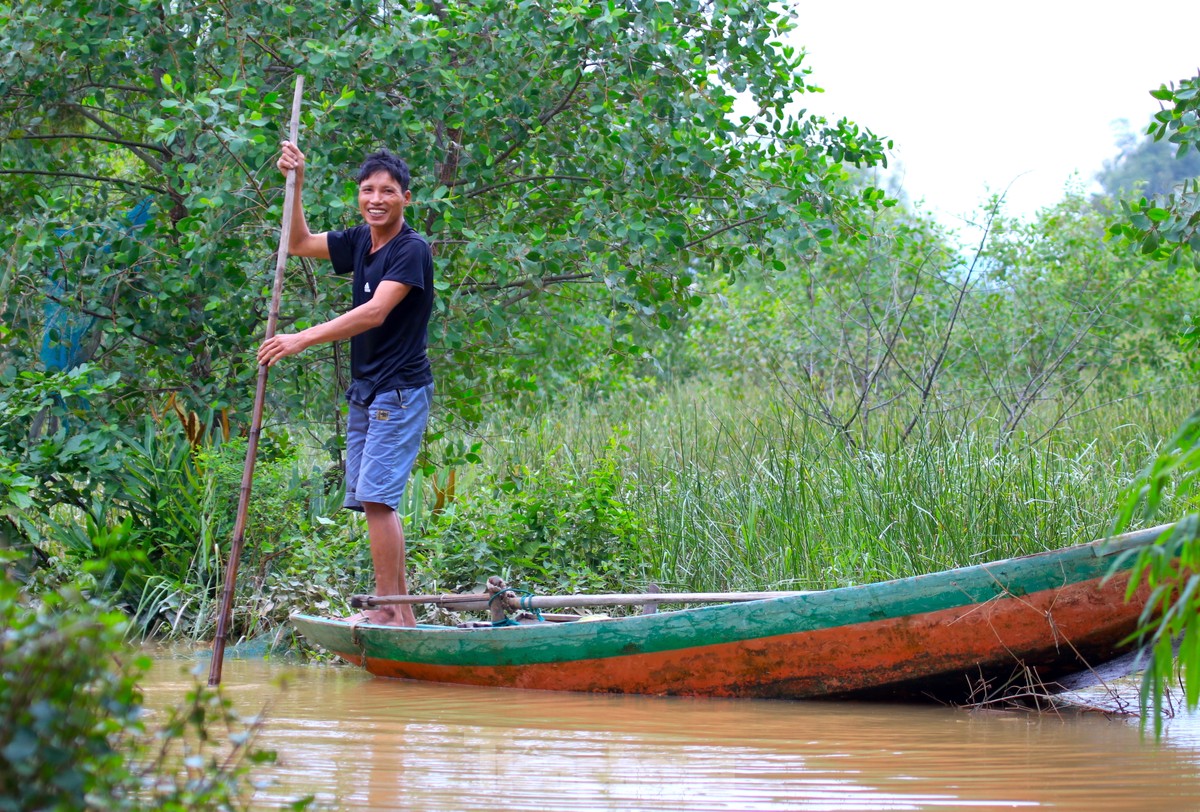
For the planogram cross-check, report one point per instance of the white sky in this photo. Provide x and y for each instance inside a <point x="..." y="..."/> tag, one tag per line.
<point x="980" y="95"/>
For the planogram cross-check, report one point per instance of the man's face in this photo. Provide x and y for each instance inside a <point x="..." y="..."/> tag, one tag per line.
<point x="381" y="201"/>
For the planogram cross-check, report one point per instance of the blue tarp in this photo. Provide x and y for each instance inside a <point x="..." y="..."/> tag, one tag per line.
<point x="64" y="333"/>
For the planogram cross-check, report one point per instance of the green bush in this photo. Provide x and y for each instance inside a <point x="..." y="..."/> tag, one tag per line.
<point x="64" y="701"/>
<point x="53" y="450"/>
<point x="72" y="725"/>
<point x="162" y="525"/>
<point x="564" y="525"/>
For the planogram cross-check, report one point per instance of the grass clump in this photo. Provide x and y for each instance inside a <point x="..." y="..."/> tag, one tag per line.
<point x="721" y="488"/>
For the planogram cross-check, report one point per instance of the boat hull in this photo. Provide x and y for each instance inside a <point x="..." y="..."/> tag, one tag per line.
<point x="948" y="636"/>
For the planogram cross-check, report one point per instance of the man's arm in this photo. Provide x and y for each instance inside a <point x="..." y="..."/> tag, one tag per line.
<point x="302" y="242"/>
<point x="359" y="320"/>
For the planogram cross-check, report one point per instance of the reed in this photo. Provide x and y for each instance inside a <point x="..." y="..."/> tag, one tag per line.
<point x="739" y="490"/>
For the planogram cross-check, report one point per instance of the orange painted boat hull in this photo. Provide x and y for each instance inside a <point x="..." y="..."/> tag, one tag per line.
<point x="946" y="636"/>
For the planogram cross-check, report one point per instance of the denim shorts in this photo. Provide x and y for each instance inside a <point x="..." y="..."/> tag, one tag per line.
<point x="382" y="441"/>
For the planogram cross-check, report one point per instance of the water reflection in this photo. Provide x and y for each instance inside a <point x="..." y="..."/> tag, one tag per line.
<point x="362" y="743"/>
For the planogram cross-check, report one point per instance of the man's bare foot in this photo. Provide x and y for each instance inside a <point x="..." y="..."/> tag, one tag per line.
<point x="392" y="616"/>
<point x="401" y="616"/>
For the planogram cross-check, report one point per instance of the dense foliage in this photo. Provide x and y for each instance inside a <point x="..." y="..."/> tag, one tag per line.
<point x="153" y="505"/>
<point x="678" y="339"/>
<point x="73" y="728"/>
<point x="1166" y="227"/>
<point x="576" y="165"/>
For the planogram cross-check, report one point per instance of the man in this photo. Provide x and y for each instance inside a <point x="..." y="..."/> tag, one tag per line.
<point x="391" y="381"/>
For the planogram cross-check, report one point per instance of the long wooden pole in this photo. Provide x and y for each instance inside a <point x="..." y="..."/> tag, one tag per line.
<point x="512" y="601"/>
<point x="260" y="391"/>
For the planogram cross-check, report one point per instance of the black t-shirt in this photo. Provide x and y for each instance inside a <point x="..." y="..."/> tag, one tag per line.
<point x="392" y="355"/>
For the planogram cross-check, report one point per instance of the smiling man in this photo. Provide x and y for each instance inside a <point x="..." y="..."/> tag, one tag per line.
<point x="391" y="381"/>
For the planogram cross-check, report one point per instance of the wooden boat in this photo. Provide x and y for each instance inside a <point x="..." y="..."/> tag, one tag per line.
<point x="945" y="636"/>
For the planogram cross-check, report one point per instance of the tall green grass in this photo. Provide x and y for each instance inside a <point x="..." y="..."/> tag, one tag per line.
<point x="709" y="486"/>
<point x="737" y="489"/>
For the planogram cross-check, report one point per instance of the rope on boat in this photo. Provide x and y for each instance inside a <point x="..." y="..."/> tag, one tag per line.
<point x="524" y="601"/>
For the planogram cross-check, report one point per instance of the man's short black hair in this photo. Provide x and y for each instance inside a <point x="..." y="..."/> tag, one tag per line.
<point x="387" y="162"/>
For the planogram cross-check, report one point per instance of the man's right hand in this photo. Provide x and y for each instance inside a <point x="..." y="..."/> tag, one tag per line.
<point x="302" y="242"/>
<point x="290" y="157"/>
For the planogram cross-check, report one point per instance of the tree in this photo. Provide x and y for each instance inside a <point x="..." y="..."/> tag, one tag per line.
<point x="1167" y="227"/>
<point x="580" y="156"/>
<point x="873" y="338"/>
<point x="1148" y="166"/>
<point x="1168" y="230"/>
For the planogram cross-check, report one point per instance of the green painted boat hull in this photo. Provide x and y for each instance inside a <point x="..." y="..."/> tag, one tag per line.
<point x="948" y="636"/>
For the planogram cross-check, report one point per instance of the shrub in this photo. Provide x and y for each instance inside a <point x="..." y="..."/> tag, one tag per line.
<point x="72" y="729"/>
<point x="562" y="525"/>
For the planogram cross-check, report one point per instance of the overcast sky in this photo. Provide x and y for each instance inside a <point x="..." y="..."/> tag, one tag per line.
<point x="995" y="95"/>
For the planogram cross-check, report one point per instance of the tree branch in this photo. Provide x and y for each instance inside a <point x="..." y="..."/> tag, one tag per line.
<point x="98" y="178"/>
<point x="544" y="118"/>
<point x="526" y="179"/>
<point x="104" y="125"/>
<point x="485" y="287"/>
<point x="888" y="354"/>
<point x="940" y="358"/>
<point x="245" y="169"/>
<point x="98" y="316"/>
<point x="166" y="153"/>
<point x="104" y="86"/>
<point x="532" y="289"/>
<point x="723" y="229"/>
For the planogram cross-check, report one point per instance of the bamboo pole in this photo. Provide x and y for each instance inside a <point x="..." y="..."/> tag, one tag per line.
<point x="239" y="527"/>
<point x="513" y="602"/>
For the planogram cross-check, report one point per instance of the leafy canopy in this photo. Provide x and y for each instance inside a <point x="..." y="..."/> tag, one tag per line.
<point x="1168" y="230"/>
<point x="586" y="159"/>
<point x="1167" y="227"/>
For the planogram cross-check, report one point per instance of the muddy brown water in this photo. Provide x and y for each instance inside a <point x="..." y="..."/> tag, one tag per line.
<point x="360" y="743"/>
